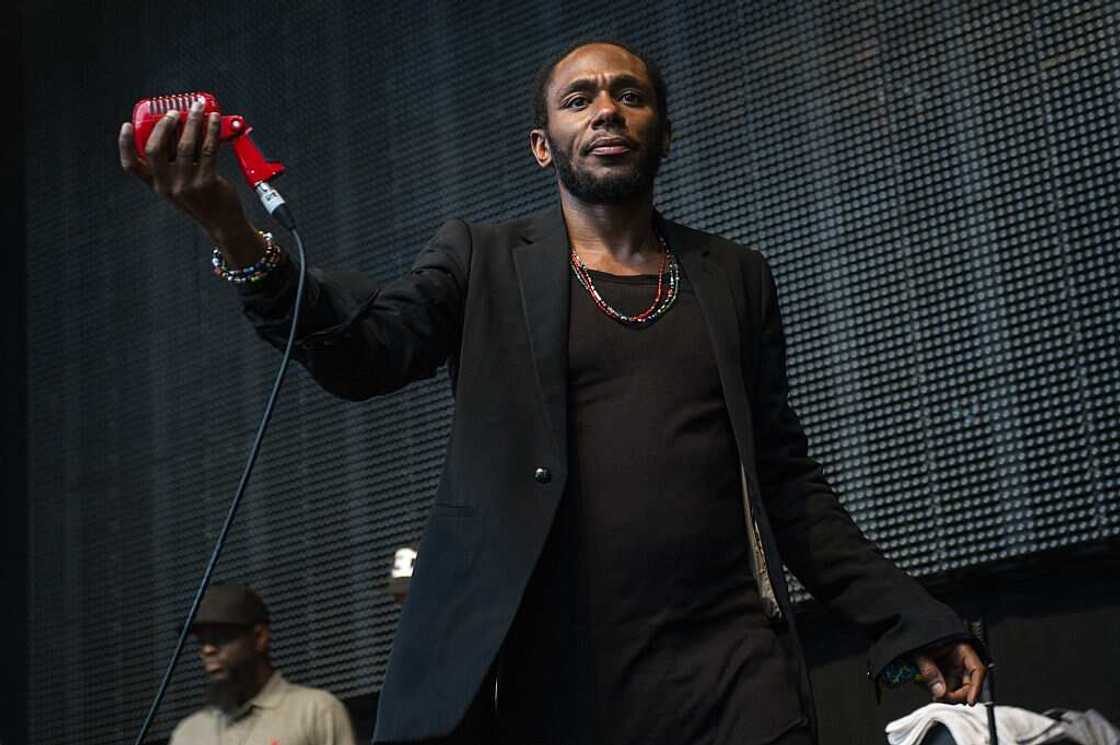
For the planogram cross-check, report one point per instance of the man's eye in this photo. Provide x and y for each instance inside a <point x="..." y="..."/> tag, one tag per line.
<point x="630" y="97"/>
<point x="575" y="102"/>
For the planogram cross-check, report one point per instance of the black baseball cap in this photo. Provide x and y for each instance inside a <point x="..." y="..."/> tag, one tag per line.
<point x="233" y="604"/>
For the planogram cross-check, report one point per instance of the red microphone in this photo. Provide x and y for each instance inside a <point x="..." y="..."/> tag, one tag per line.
<point x="257" y="169"/>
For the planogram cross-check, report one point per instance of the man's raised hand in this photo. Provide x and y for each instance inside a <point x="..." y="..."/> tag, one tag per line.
<point x="182" y="169"/>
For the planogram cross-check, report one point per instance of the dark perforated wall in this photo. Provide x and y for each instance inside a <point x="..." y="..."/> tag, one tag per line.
<point x="935" y="183"/>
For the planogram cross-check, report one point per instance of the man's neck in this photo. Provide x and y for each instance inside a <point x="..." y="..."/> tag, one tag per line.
<point x="261" y="675"/>
<point x="260" y="680"/>
<point x="615" y="238"/>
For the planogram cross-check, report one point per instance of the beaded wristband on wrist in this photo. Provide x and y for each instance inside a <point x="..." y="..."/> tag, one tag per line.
<point x="899" y="673"/>
<point x="254" y="272"/>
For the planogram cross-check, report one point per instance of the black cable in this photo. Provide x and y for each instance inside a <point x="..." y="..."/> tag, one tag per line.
<point x="988" y="691"/>
<point x="208" y="573"/>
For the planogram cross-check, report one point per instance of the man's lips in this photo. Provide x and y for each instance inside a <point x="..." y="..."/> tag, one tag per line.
<point x="610" y="146"/>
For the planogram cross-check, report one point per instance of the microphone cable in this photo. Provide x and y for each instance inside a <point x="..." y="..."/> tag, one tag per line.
<point x="284" y="217"/>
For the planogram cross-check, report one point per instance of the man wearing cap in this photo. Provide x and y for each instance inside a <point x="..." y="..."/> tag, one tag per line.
<point x="248" y="699"/>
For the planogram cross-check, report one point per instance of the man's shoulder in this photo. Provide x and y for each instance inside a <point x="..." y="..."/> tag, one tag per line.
<point x="522" y="225"/>
<point x="724" y="248"/>
<point x="192" y="728"/>
<point x="315" y="709"/>
<point x="311" y="697"/>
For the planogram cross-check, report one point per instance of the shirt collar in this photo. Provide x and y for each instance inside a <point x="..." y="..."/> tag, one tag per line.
<point x="267" y="697"/>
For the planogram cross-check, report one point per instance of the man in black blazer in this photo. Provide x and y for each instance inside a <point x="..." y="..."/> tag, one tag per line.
<point x="625" y="476"/>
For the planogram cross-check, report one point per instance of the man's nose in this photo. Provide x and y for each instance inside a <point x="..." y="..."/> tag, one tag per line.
<point x="207" y="649"/>
<point x="606" y="110"/>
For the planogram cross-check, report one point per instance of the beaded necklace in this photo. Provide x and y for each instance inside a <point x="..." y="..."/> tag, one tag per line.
<point x="662" y="301"/>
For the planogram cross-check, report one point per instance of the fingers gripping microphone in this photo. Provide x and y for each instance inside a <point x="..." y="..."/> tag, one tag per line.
<point x="257" y="169"/>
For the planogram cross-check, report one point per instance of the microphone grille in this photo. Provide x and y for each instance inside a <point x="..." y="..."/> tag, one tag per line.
<point x="175" y="101"/>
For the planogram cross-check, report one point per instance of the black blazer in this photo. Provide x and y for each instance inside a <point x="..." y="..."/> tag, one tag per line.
<point x="491" y="301"/>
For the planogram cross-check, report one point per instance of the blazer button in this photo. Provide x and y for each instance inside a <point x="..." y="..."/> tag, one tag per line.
<point x="542" y="475"/>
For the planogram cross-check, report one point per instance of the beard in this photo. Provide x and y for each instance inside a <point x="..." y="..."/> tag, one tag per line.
<point x="234" y="689"/>
<point x="620" y="185"/>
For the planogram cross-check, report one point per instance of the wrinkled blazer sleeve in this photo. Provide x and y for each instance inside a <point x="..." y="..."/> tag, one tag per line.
<point x="816" y="537"/>
<point x="360" y="338"/>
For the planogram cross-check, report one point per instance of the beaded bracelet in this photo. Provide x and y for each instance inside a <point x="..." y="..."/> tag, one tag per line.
<point x="899" y="673"/>
<point x="254" y="272"/>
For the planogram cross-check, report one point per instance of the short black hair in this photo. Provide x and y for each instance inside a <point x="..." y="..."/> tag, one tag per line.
<point x="544" y="76"/>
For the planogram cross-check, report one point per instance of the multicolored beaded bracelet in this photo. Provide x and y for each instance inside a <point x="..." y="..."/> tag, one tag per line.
<point x="254" y="272"/>
<point x="899" y="673"/>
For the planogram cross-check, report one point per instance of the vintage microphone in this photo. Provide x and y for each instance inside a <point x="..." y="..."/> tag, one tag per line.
<point x="257" y="170"/>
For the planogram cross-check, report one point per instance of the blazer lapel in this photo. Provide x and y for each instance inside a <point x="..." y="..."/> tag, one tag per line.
<point x="716" y="297"/>
<point x="542" y="272"/>
<point x="714" y="294"/>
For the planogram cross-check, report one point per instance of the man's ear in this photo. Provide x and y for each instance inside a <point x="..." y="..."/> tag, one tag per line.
<point x="538" y="143"/>
<point x="262" y="638"/>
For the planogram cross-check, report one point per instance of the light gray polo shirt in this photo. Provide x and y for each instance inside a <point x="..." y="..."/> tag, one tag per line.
<point x="280" y="714"/>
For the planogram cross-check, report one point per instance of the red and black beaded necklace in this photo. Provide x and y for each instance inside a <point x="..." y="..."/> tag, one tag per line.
<point x="664" y="298"/>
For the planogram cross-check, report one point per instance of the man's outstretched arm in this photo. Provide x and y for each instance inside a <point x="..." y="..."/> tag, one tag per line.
<point x="358" y="338"/>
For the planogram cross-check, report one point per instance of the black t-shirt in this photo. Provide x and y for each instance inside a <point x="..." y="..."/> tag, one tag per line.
<point x="642" y="623"/>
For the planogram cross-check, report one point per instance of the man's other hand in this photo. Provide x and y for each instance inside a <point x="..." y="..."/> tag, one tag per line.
<point x="953" y="672"/>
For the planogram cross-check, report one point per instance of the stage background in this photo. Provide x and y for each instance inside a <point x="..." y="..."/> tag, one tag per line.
<point x="935" y="184"/>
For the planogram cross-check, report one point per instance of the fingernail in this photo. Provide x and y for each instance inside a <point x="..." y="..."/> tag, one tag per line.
<point x="213" y="117"/>
<point x="196" y="106"/>
<point x="173" y="114"/>
<point x="938" y="689"/>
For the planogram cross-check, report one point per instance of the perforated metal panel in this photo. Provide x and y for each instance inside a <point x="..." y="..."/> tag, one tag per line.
<point x="935" y="184"/>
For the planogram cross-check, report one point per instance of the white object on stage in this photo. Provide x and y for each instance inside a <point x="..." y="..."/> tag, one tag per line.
<point x="969" y="725"/>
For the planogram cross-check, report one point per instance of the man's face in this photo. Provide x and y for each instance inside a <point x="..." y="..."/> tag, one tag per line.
<point x="230" y="654"/>
<point x="605" y="136"/>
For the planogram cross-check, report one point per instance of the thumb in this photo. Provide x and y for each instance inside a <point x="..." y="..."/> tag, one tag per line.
<point x="935" y="681"/>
